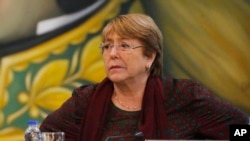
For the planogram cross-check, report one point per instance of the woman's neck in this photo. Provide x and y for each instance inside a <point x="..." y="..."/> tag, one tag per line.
<point x="131" y="87"/>
<point x="128" y="95"/>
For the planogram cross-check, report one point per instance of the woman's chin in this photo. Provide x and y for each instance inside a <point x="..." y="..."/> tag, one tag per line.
<point x="116" y="78"/>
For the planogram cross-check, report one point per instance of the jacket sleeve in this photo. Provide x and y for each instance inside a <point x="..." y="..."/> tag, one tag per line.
<point x="68" y="117"/>
<point x="214" y="115"/>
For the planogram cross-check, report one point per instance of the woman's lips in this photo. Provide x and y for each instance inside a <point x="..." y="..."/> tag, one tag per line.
<point x="115" y="67"/>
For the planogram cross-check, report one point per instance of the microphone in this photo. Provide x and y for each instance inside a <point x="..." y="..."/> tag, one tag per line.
<point x="137" y="135"/>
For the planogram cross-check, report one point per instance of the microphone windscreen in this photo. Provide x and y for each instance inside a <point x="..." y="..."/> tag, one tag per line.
<point x="139" y="135"/>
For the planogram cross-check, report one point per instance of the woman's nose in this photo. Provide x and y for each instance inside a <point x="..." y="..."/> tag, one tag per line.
<point x="113" y="50"/>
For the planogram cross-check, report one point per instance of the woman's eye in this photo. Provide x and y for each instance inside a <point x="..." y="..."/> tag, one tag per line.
<point x="106" y="47"/>
<point x="125" y="46"/>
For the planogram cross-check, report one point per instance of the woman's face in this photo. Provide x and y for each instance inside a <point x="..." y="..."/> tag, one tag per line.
<point x="124" y="59"/>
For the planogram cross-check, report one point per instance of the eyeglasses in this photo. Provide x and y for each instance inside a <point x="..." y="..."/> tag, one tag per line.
<point x="123" y="47"/>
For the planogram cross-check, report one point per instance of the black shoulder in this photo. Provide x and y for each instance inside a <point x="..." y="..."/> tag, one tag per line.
<point x="175" y="86"/>
<point x="84" y="90"/>
<point x="181" y="92"/>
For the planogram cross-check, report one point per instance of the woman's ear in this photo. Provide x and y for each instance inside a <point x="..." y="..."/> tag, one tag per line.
<point x="150" y="59"/>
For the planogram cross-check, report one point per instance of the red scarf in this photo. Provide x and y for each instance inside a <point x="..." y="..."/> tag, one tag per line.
<point x="152" y="118"/>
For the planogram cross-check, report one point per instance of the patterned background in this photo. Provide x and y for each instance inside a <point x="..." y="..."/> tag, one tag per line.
<point x="205" y="40"/>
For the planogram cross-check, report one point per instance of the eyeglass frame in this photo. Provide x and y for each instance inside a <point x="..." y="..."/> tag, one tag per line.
<point x="118" y="47"/>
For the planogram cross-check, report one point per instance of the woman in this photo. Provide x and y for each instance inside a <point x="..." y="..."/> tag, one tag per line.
<point x="136" y="98"/>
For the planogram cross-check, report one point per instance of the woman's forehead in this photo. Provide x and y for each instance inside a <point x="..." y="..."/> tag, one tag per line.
<point x="115" y="36"/>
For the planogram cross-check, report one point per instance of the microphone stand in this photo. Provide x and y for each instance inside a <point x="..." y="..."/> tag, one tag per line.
<point x="137" y="135"/>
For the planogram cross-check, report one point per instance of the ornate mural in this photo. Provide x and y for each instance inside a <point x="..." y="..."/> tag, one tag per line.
<point x="205" y="40"/>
